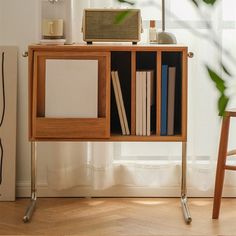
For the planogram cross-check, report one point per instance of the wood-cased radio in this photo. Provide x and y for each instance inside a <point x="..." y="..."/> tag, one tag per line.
<point x="100" y="25"/>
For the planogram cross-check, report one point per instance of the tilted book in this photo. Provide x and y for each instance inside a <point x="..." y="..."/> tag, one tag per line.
<point x="127" y="131"/>
<point x="118" y="105"/>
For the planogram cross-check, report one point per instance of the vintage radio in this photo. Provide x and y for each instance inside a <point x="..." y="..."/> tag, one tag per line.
<point x="100" y="25"/>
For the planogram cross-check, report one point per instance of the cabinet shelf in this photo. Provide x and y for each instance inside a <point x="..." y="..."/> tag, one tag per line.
<point x="154" y="138"/>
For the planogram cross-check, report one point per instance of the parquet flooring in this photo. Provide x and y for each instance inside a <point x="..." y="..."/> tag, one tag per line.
<point x="116" y="217"/>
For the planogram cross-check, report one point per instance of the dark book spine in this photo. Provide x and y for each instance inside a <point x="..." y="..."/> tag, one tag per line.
<point x="164" y="94"/>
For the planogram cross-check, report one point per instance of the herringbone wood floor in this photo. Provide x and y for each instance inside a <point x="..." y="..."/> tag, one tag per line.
<point x="113" y="217"/>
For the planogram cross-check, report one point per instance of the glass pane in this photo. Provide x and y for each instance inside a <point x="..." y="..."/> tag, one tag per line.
<point x="100" y="3"/>
<point x="228" y="39"/>
<point x="230" y="61"/>
<point x="184" y="10"/>
<point x="149" y="10"/>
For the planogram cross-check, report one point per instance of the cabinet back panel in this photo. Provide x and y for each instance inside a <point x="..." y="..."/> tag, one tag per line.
<point x="121" y="62"/>
<point x="174" y="59"/>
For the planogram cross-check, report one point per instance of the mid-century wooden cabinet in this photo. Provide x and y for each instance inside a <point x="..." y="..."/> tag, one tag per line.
<point x="127" y="60"/>
<point x="105" y="125"/>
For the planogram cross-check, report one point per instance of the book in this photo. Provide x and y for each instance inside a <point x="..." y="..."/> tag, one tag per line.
<point x="164" y="98"/>
<point x="171" y="101"/>
<point x="148" y="103"/>
<point x="118" y="105"/>
<point x="144" y="103"/>
<point x="140" y="104"/>
<point x="137" y="102"/>
<point x="150" y="100"/>
<point x="127" y="131"/>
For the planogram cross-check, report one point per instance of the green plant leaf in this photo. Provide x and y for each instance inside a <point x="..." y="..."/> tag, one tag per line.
<point x="121" y="16"/>
<point x="212" y="2"/>
<point x="195" y="2"/>
<point x="220" y="85"/>
<point x="222" y="104"/>
<point x="128" y="2"/>
<point x="225" y="69"/>
<point x="219" y="82"/>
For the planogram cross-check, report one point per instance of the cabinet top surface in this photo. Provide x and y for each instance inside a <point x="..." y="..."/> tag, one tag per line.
<point x="109" y="47"/>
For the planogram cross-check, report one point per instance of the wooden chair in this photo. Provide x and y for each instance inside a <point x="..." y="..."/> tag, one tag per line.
<point x="221" y="163"/>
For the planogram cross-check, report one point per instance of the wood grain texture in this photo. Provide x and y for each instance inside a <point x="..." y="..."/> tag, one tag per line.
<point x="220" y="169"/>
<point x="30" y="86"/>
<point x="229" y="167"/>
<point x="104" y="47"/>
<point x="231" y="113"/>
<point x="41" y="80"/>
<point x="71" y="128"/>
<point x="151" y="138"/>
<point x="102" y="53"/>
<point x="114" y="138"/>
<point x="116" y="217"/>
<point x="39" y="127"/>
<point x="34" y="94"/>
<point x="184" y="93"/>
<point x="103" y="86"/>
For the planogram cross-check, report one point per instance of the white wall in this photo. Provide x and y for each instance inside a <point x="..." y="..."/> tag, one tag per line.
<point x="20" y="27"/>
<point x="1" y="19"/>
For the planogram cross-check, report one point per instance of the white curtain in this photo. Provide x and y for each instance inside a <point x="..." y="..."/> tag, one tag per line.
<point x="71" y="164"/>
<point x="157" y="165"/>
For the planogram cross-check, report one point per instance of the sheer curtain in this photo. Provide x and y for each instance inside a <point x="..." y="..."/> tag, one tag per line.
<point x="157" y="165"/>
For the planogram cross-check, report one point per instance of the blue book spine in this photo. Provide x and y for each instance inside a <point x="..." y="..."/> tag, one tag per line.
<point x="164" y="94"/>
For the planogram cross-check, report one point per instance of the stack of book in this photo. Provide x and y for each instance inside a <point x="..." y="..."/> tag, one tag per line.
<point x="145" y="102"/>
<point x="167" y="100"/>
<point x="120" y="103"/>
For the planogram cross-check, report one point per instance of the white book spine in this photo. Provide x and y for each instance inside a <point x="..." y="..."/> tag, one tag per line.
<point x="140" y="103"/>
<point x="148" y="103"/>
<point x="137" y="101"/>
<point x="144" y="102"/>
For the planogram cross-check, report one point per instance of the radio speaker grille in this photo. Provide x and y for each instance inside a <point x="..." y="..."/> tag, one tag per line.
<point x="100" y="25"/>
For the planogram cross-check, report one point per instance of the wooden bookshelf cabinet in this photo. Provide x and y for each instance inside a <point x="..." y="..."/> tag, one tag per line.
<point x="127" y="60"/>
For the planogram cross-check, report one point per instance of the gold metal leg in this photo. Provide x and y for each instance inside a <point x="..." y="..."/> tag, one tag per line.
<point x="30" y="210"/>
<point x="184" y="199"/>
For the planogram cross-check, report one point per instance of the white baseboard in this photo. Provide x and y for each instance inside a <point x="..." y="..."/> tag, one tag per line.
<point x="23" y="190"/>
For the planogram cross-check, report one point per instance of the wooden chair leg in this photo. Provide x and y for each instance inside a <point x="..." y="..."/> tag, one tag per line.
<point x="220" y="171"/>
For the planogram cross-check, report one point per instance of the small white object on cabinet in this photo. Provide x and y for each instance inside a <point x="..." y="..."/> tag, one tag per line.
<point x="71" y="11"/>
<point x="8" y="101"/>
